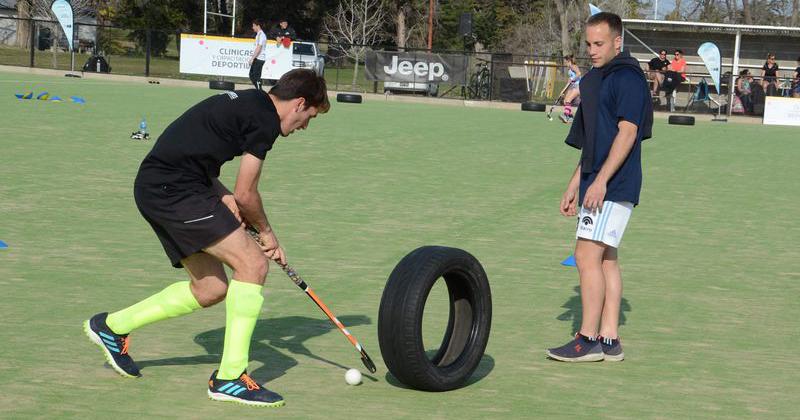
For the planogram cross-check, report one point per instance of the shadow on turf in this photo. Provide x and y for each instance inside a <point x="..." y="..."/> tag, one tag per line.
<point x="574" y="313"/>
<point x="288" y="333"/>
<point x="484" y="368"/>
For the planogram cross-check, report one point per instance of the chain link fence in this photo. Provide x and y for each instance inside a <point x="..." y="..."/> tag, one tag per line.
<point x="487" y="76"/>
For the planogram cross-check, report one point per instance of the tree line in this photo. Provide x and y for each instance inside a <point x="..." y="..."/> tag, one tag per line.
<point x="544" y="27"/>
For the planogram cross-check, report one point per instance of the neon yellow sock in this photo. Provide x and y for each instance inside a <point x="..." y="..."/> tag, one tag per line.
<point x="242" y="306"/>
<point x="175" y="300"/>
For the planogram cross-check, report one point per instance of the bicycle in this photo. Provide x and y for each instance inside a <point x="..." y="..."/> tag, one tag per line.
<point x="480" y="83"/>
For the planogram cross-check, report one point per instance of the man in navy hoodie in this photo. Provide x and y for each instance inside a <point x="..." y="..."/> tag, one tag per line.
<point x="615" y="115"/>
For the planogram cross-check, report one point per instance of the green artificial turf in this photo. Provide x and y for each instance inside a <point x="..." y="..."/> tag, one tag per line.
<point x="710" y="263"/>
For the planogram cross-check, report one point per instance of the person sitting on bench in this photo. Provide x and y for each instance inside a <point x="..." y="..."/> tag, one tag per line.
<point x="796" y="81"/>
<point x="769" y="76"/>
<point x="744" y="90"/>
<point x="657" y="68"/>
<point x="675" y="75"/>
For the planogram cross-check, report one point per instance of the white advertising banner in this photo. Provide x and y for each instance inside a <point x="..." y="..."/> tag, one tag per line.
<point x="709" y="53"/>
<point x="63" y="11"/>
<point x="223" y="56"/>
<point x="781" y="111"/>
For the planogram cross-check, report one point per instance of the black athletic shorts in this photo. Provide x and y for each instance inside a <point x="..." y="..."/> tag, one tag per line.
<point x="186" y="220"/>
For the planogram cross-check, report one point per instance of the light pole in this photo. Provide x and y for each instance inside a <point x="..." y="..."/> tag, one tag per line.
<point x="430" y="25"/>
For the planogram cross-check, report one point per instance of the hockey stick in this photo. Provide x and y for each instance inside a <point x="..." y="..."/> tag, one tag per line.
<point x="306" y="288"/>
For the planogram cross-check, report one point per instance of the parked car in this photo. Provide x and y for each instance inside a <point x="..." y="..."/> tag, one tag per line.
<point x="430" y="89"/>
<point x="306" y="55"/>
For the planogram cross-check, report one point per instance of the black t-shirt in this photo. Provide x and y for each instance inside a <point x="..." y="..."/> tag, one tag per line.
<point x="658" y="64"/>
<point x="770" y="71"/>
<point x="193" y="148"/>
<point x="278" y="31"/>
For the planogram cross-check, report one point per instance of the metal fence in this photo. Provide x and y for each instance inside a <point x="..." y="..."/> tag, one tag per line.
<point x="42" y="44"/>
<point x="489" y="76"/>
<point x="156" y="53"/>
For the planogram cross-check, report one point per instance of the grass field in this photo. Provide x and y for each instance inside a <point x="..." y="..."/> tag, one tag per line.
<point x="709" y="260"/>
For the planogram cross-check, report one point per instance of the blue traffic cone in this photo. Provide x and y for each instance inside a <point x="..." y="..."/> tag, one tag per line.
<point x="569" y="262"/>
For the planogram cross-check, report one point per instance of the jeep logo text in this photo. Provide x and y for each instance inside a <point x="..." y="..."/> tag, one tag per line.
<point x="419" y="69"/>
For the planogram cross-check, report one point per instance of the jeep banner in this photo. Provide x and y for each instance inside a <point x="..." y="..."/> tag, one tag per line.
<point x="420" y="67"/>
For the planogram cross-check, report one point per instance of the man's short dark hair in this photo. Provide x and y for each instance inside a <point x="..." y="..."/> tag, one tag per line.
<point x="259" y="22"/>
<point x="679" y="51"/>
<point x="662" y="51"/>
<point x="613" y="21"/>
<point x="303" y="83"/>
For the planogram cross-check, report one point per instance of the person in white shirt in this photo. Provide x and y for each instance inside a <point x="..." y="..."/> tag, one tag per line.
<point x="259" y="54"/>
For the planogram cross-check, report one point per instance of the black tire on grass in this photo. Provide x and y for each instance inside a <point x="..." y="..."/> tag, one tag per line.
<point x="401" y="311"/>
<point x="221" y="85"/>
<point x="681" y="120"/>
<point x="534" y="106"/>
<point x="348" y="98"/>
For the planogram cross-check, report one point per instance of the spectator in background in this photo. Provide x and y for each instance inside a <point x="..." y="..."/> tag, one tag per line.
<point x="678" y="65"/>
<point x="769" y="75"/>
<point x="744" y="91"/>
<point x="259" y="54"/>
<point x="796" y="82"/>
<point x="675" y="75"/>
<point x="283" y="30"/>
<point x="658" y="67"/>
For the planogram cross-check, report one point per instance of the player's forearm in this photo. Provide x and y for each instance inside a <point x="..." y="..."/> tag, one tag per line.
<point x="575" y="180"/>
<point x="252" y="210"/>
<point x="623" y="143"/>
<point x="256" y="52"/>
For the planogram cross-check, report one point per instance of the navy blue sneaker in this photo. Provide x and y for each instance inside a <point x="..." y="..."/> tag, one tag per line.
<point x="612" y="349"/>
<point x="243" y="390"/>
<point x="114" y="346"/>
<point x="580" y="349"/>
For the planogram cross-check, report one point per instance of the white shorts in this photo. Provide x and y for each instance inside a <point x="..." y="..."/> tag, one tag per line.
<point x="606" y="226"/>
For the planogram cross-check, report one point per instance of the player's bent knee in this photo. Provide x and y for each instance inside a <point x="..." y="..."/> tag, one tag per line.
<point x="261" y="267"/>
<point x="210" y="295"/>
<point x="252" y="270"/>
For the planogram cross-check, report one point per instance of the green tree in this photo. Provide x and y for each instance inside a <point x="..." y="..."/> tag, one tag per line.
<point x="305" y="16"/>
<point x="163" y="18"/>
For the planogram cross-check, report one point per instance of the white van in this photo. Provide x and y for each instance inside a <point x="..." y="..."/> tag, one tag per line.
<point x="429" y="89"/>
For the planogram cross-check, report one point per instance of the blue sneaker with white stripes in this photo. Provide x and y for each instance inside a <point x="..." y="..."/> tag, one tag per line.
<point x="612" y="349"/>
<point x="114" y="346"/>
<point x="580" y="349"/>
<point x="243" y="390"/>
